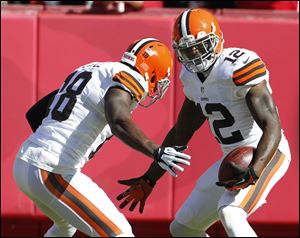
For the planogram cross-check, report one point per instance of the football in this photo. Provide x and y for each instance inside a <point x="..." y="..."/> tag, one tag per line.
<point x="235" y="163"/>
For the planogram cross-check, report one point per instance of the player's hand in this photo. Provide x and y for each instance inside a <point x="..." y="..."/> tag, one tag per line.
<point x="180" y="148"/>
<point x="249" y="177"/>
<point x="168" y="158"/>
<point x="138" y="192"/>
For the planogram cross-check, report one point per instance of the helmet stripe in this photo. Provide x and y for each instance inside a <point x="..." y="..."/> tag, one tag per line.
<point x="140" y="44"/>
<point x="179" y="25"/>
<point x="188" y="31"/>
<point x="184" y="25"/>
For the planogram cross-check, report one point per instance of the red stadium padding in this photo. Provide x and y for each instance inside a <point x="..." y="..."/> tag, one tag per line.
<point x="18" y="93"/>
<point x="38" y="55"/>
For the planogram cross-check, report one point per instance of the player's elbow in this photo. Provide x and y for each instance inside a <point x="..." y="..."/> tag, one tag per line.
<point x="119" y="125"/>
<point x="273" y="128"/>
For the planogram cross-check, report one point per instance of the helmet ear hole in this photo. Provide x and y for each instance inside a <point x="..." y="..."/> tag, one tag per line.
<point x="152" y="79"/>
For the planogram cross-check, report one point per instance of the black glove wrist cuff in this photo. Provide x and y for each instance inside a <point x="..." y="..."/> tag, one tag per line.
<point x="149" y="180"/>
<point x="156" y="153"/>
<point x="252" y="173"/>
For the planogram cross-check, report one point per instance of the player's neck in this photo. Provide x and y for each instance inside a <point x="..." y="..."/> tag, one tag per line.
<point x="203" y="75"/>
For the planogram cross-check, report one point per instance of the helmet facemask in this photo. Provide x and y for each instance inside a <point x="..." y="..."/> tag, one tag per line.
<point x="161" y="88"/>
<point x="197" y="55"/>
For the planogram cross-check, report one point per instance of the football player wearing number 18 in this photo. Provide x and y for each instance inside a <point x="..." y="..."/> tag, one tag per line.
<point x="94" y="103"/>
<point x="230" y="89"/>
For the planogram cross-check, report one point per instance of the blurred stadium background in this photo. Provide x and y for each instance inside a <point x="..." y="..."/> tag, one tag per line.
<point x="41" y="45"/>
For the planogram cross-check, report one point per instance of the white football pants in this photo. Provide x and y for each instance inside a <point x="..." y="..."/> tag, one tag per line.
<point x="207" y="202"/>
<point x="71" y="202"/>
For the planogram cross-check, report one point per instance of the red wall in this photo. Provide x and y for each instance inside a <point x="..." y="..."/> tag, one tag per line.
<point x="18" y="92"/>
<point x="39" y="49"/>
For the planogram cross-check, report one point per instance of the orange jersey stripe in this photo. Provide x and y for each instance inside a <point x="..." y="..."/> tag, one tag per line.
<point x="117" y="78"/>
<point x="274" y="170"/>
<point x="70" y="203"/>
<point x="247" y="67"/>
<point x="82" y="206"/>
<point x="131" y="79"/>
<point x="130" y="82"/>
<point x="256" y="68"/>
<point x="256" y="191"/>
<point x="249" y="77"/>
<point x="48" y="184"/>
<point x="252" y="193"/>
<point x="90" y="205"/>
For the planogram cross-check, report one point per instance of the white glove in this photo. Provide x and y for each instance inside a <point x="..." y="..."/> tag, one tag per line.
<point x="167" y="158"/>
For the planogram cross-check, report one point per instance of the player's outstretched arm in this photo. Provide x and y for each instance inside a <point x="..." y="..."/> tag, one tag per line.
<point x="117" y="112"/>
<point x="189" y="120"/>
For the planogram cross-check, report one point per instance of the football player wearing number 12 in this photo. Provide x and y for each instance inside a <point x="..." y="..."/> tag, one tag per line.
<point x="230" y="89"/>
<point x="94" y="103"/>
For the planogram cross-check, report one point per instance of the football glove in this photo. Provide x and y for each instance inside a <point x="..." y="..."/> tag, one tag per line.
<point x="168" y="157"/>
<point x="249" y="177"/>
<point x="180" y="148"/>
<point x="138" y="192"/>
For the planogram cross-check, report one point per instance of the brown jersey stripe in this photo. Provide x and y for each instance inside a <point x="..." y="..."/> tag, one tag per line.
<point x="267" y="181"/>
<point x="48" y="184"/>
<point x="250" y="77"/>
<point x="118" y="78"/>
<point x="82" y="206"/>
<point x="130" y="82"/>
<point x="256" y="191"/>
<point x="251" y="70"/>
<point x="134" y="81"/>
<point x="248" y="66"/>
<point x="58" y="191"/>
<point x="108" y="224"/>
<point x="65" y="199"/>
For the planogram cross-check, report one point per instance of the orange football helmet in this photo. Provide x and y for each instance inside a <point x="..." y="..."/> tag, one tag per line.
<point x="153" y="60"/>
<point x="197" y="39"/>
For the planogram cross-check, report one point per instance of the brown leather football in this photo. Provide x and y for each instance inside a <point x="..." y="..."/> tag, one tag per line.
<point x="236" y="163"/>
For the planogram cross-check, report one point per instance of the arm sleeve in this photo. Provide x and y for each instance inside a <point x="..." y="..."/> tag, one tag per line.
<point x="37" y="112"/>
<point x="130" y="84"/>
<point x="249" y="71"/>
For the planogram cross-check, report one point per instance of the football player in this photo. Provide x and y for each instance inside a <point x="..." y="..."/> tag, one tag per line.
<point x="228" y="87"/>
<point x="72" y="123"/>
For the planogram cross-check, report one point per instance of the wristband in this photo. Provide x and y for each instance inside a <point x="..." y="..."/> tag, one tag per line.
<point x="156" y="153"/>
<point x="253" y="174"/>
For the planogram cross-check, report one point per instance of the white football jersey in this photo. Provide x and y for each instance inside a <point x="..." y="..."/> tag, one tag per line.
<point x="76" y="126"/>
<point x="222" y="96"/>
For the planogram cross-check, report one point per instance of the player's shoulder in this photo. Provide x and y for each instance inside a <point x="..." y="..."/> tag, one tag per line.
<point x="237" y="57"/>
<point x="128" y="73"/>
<point x="89" y="66"/>
<point x="245" y="65"/>
<point x="131" y="81"/>
<point x="237" y="52"/>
